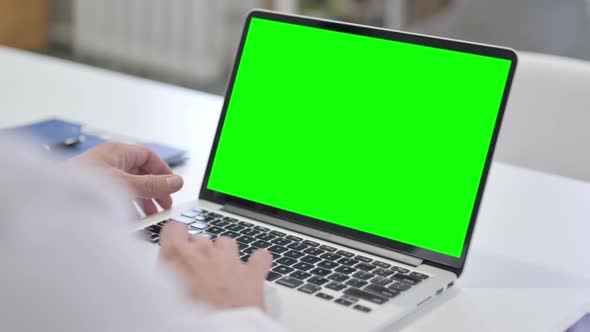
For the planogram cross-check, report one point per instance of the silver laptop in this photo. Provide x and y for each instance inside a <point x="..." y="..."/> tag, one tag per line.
<point x="358" y="157"/>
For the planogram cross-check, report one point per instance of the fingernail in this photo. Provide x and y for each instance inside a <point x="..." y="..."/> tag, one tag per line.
<point x="174" y="183"/>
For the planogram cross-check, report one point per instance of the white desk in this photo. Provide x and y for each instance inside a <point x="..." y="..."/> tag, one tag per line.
<point x="530" y="242"/>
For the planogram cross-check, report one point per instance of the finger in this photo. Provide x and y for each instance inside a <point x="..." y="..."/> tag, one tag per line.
<point x="227" y="245"/>
<point x="138" y="156"/>
<point x="200" y="244"/>
<point x="260" y="261"/>
<point x="173" y="238"/>
<point x="165" y="202"/>
<point x="148" y="206"/>
<point x="154" y="186"/>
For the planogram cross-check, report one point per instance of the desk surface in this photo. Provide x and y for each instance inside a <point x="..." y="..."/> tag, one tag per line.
<point x="526" y="269"/>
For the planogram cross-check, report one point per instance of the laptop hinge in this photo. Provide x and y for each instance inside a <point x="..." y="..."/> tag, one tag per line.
<point x="375" y="250"/>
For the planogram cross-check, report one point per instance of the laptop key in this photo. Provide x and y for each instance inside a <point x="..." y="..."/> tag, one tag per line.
<point x="235" y="227"/>
<point x="381" y="264"/>
<point x="338" y="277"/>
<point x="277" y="233"/>
<point x="363" y="275"/>
<point x="183" y="219"/>
<point x="317" y="280"/>
<point x="231" y="234"/>
<point x="215" y="230"/>
<point x="265" y="236"/>
<point x="313" y="251"/>
<point x="309" y="288"/>
<point x="382" y="291"/>
<point x="250" y="250"/>
<point x="336" y="286"/>
<point x="343" y="302"/>
<point x="345" y="253"/>
<point x="261" y="229"/>
<point x="261" y="244"/>
<point x="356" y="283"/>
<point x="273" y="276"/>
<point x="154" y="229"/>
<point x="399" y="286"/>
<point x="400" y="269"/>
<point x="311" y="243"/>
<point x="381" y="281"/>
<point x="297" y="246"/>
<point x="190" y="214"/>
<point x="365" y="266"/>
<point x="283" y="269"/>
<point x="300" y="275"/>
<point x="419" y="275"/>
<point x="327" y="248"/>
<point x="345" y="269"/>
<point x="219" y="223"/>
<point x="383" y="272"/>
<point x="246" y="239"/>
<point x="281" y="241"/>
<point x="193" y="231"/>
<point x="328" y="264"/>
<point x="250" y="232"/>
<point x="406" y="278"/>
<point x="208" y="236"/>
<point x="289" y="282"/>
<point x="293" y="238"/>
<point x="286" y="261"/>
<point x="324" y="296"/>
<point x="321" y="271"/>
<point x="294" y="254"/>
<point x="277" y="249"/>
<point x="363" y="258"/>
<point x="245" y="224"/>
<point x="361" y="308"/>
<point x="310" y="259"/>
<point x="331" y="256"/>
<point x="347" y="261"/>
<point x="303" y="266"/>
<point x="242" y="246"/>
<point x="361" y="294"/>
<point x="199" y="225"/>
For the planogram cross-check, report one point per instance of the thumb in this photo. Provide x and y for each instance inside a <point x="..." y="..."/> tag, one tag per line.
<point x="260" y="261"/>
<point x="154" y="186"/>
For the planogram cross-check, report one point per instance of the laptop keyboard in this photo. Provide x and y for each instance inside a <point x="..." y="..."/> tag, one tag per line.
<point x="310" y="267"/>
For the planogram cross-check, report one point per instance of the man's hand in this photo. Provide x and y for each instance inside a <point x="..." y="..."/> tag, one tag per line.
<point x="213" y="272"/>
<point x="139" y="168"/>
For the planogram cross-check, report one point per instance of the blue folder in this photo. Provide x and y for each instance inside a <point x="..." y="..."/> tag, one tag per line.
<point x="64" y="140"/>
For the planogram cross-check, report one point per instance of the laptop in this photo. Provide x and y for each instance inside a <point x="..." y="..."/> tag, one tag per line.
<point x="358" y="157"/>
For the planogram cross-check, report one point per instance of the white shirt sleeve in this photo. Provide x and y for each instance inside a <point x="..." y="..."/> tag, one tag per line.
<point x="68" y="263"/>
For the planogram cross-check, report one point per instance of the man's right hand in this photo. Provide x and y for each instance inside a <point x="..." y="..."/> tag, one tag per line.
<point x="214" y="272"/>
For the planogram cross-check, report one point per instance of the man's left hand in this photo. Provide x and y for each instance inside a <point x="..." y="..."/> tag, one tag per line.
<point x="139" y="168"/>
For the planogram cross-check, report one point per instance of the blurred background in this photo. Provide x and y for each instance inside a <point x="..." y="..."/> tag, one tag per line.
<point x="192" y="43"/>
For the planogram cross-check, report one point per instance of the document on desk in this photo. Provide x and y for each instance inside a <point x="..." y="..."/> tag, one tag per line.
<point x="64" y="140"/>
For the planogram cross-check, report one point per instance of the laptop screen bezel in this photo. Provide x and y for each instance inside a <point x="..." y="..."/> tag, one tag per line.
<point x="445" y="261"/>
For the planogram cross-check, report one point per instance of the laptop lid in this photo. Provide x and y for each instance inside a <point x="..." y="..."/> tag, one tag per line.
<point x="378" y="136"/>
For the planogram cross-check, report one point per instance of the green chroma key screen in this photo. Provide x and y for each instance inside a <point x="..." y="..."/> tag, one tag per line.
<point x="385" y="137"/>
